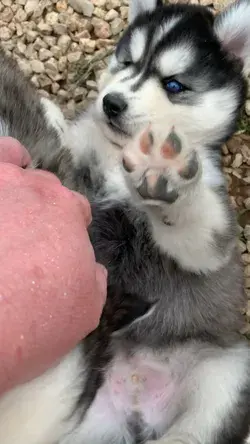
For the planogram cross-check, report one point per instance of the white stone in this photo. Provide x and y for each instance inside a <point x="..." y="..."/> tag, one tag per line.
<point x="39" y="43"/>
<point x="113" y="4"/>
<point x="37" y="66"/>
<point x="61" y="6"/>
<point x="35" y="81"/>
<point x="55" y="88"/>
<point x="21" y="47"/>
<point x="247" y="107"/>
<point x="74" y="57"/>
<point x="56" y="51"/>
<point x="44" y="28"/>
<point x="25" y="67"/>
<point x="100" y="13"/>
<point x="92" y="95"/>
<point x="117" y="25"/>
<point x="44" y="54"/>
<point x="51" y="18"/>
<point x="62" y="63"/>
<point x="84" y="7"/>
<point x="5" y="33"/>
<point x="19" y="30"/>
<point x="247" y="203"/>
<point x="44" y="80"/>
<point x="20" y="16"/>
<point x="6" y="2"/>
<point x="50" y="40"/>
<point x="99" y="3"/>
<point x="31" y="6"/>
<point x="248" y="88"/>
<point x="242" y="247"/>
<point x="101" y="28"/>
<point x="6" y="15"/>
<point x="51" y="65"/>
<point x="247" y="232"/>
<point x="31" y="36"/>
<point x="245" y="258"/>
<point x="79" y="93"/>
<point x="124" y="12"/>
<point x="247" y="271"/>
<point x="60" y="28"/>
<point x="87" y="45"/>
<point x="91" y="84"/>
<point x="111" y="15"/>
<point x="237" y="160"/>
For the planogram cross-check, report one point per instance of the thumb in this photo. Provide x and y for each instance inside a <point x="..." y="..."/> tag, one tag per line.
<point x="101" y="281"/>
<point x="11" y="151"/>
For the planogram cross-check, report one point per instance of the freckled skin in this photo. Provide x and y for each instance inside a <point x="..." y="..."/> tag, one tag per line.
<point x="44" y="292"/>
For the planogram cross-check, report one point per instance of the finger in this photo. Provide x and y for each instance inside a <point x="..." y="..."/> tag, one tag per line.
<point x="87" y="209"/>
<point x="11" y="151"/>
<point x="101" y="281"/>
<point x="48" y="176"/>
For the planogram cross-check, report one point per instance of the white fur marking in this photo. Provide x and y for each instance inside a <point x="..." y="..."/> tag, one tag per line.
<point x="4" y="130"/>
<point x="37" y="412"/>
<point x="175" y="60"/>
<point x="55" y="117"/>
<point x="164" y="29"/>
<point x="137" y="44"/>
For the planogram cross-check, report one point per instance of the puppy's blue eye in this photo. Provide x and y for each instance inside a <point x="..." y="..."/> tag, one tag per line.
<point x="173" y="86"/>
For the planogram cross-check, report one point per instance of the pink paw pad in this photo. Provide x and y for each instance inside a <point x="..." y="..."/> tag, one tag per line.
<point x="159" y="168"/>
<point x="172" y="146"/>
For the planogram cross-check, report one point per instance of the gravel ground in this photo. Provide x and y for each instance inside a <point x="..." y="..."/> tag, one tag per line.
<point x="63" y="46"/>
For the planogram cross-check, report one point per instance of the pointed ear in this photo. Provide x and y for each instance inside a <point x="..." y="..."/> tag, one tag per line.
<point x="233" y="30"/>
<point x="137" y="7"/>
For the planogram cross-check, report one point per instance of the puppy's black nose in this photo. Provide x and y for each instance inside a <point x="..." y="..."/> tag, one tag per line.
<point x="114" y="105"/>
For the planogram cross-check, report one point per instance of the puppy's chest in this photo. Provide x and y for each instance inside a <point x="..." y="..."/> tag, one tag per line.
<point x="134" y="403"/>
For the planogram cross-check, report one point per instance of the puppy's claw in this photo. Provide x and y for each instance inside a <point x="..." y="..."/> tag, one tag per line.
<point x="146" y="141"/>
<point x="159" y="192"/>
<point x="191" y="169"/>
<point x="172" y="146"/>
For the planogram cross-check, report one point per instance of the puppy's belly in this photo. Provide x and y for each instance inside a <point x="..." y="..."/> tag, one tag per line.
<point x="141" y="387"/>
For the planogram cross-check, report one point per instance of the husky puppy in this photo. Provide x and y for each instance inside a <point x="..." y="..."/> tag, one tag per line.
<point x="166" y="363"/>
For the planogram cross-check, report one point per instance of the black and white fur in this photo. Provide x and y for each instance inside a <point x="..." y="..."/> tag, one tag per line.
<point x="166" y="364"/>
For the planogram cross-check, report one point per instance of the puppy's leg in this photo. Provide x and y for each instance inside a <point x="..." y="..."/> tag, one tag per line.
<point x="215" y="404"/>
<point x="190" y="220"/>
<point x="41" y="411"/>
<point x="54" y="118"/>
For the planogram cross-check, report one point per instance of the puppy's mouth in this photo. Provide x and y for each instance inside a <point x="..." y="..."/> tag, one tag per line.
<point x="118" y="128"/>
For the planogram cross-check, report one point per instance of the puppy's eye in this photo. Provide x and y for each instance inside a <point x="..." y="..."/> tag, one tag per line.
<point x="127" y="63"/>
<point x="173" y="86"/>
<point x="124" y="60"/>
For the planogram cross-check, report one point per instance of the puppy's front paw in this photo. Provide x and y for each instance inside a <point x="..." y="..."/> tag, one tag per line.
<point x="160" y="170"/>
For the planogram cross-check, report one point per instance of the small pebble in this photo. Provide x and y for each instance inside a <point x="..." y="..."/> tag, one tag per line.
<point x="247" y="107"/>
<point x="37" y="66"/>
<point x="247" y="203"/>
<point x="237" y="161"/>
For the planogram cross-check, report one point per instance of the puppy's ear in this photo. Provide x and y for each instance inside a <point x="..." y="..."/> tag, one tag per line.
<point x="137" y="7"/>
<point x="233" y="30"/>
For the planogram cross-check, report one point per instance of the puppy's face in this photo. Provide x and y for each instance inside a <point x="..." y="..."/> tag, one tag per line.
<point x="175" y="66"/>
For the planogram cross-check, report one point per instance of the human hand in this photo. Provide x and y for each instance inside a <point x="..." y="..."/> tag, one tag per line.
<point x="51" y="289"/>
